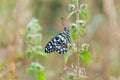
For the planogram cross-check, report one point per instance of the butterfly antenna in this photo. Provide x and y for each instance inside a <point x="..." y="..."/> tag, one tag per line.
<point x="63" y="22"/>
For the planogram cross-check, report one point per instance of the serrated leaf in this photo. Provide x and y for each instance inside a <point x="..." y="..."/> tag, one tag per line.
<point x="67" y="55"/>
<point x="86" y="57"/>
<point x="83" y="14"/>
<point x="82" y="31"/>
<point x="70" y="14"/>
<point x="40" y="75"/>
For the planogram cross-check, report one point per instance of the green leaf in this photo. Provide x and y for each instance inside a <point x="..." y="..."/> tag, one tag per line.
<point x="74" y="31"/>
<point x="82" y="31"/>
<point x="70" y="14"/>
<point x="40" y="75"/>
<point x="74" y="35"/>
<point x="85" y="56"/>
<point x="74" y="1"/>
<point x="84" y="47"/>
<point x="38" y="43"/>
<point x="71" y="7"/>
<point x="67" y="55"/>
<point x="29" y="71"/>
<point x="37" y="27"/>
<point x="36" y="67"/>
<point x="73" y="26"/>
<point x="83" y="6"/>
<point x="33" y="26"/>
<point x="29" y="37"/>
<point x="83" y="14"/>
<point x="39" y="37"/>
<point x="30" y="53"/>
<point x="81" y="22"/>
<point x="71" y="77"/>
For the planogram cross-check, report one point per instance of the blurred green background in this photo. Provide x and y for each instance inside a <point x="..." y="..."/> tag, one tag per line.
<point x="102" y="34"/>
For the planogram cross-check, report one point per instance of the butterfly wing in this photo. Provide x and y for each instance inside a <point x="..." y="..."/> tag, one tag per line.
<point x="61" y="46"/>
<point x="49" y="47"/>
<point x="61" y="49"/>
<point x="58" y="44"/>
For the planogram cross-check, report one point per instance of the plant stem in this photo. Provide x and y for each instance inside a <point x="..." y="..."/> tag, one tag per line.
<point x="77" y="19"/>
<point x="77" y="14"/>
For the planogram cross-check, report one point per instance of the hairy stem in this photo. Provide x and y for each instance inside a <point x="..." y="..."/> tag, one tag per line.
<point x="77" y="19"/>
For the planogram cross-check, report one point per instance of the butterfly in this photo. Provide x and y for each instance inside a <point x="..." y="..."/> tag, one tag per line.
<point x="59" y="43"/>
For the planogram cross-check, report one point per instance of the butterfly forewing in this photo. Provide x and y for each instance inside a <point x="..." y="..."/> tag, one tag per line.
<point x="49" y="47"/>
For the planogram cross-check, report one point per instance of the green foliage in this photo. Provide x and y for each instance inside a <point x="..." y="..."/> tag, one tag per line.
<point x="77" y="29"/>
<point x="34" y="67"/>
<point x="34" y="39"/>
<point x="82" y="31"/>
<point x="81" y="22"/>
<point x="71" y="77"/>
<point x="30" y="53"/>
<point x="34" y="48"/>
<point x="83" y="14"/>
<point x="40" y="76"/>
<point x="71" y="7"/>
<point x="74" y="31"/>
<point x="37" y="69"/>
<point x="74" y="1"/>
<point x="85" y="56"/>
<point x="83" y="6"/>
<point x="84" y="47"/>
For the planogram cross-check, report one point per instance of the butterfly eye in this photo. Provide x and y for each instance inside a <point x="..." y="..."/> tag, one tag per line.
<point x="59" y="43"/>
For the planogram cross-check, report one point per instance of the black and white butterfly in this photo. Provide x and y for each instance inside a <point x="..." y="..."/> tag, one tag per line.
<point x="59" y="43"/>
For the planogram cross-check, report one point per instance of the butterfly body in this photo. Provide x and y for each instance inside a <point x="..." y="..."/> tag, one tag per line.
<point x="59" y="42"/>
